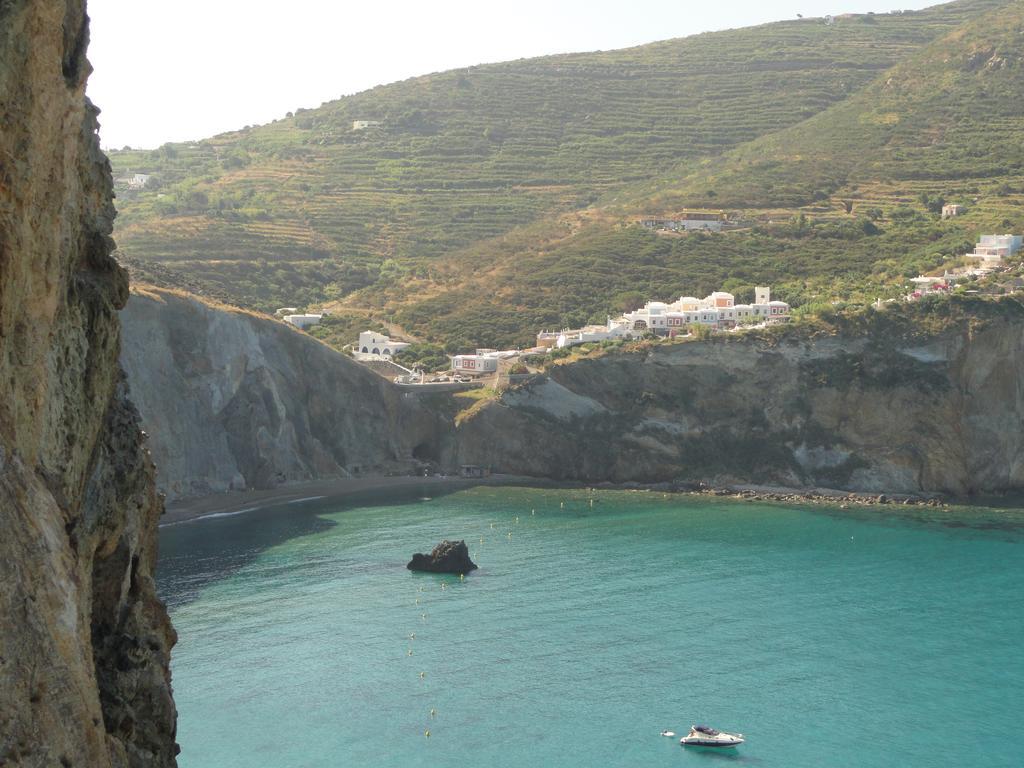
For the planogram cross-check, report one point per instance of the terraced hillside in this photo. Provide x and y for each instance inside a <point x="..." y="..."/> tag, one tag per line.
<point x="470" y="162"/>
<point x="843" y="205"/>
<point x="947" y="120"/>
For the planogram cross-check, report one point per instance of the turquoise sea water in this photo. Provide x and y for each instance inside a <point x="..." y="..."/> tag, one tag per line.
<point x="829" y="638"/>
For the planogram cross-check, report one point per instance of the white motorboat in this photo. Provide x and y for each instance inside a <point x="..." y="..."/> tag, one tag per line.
<point x="706" y="736"/>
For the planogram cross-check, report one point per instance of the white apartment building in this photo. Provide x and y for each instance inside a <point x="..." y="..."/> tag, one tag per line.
<point x="718" y="310"/>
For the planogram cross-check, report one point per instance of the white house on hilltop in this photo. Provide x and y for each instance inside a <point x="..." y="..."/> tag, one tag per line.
<point x="992" y="250"/>
<point x="302" y="322"/>
<point x="377" y="346"/>
<point x="711" y="221"/>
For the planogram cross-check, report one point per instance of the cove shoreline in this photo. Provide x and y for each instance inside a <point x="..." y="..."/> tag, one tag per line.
<point x="239" y="502"/>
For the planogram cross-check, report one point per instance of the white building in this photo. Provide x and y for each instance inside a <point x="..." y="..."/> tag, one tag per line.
<point x="992" y="250"/>
<point x="475" y="365"/>
<point x="688" y="221"/>
<point x="951" y="211"/>
<point x="134" y="180"/>
<point x="377" y="346"/>
<point x="303" y="321"/>
<point x="362" y="125"/>
<point x="718" y="310"/>
<point x="592" y="333"/>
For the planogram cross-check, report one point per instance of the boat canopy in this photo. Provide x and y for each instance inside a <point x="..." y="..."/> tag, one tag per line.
<point x="705" y="729"/>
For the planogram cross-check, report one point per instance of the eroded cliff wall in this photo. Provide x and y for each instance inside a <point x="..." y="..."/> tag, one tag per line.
<point x="885" y="405"/>
<point x="234" y="400"/>
<point x="84" y="643"/>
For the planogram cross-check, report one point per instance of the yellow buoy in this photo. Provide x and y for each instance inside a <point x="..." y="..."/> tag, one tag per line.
<point x="462" y="577"/>
<point x="562" y="505"/>
<point x="433" y="713"/>
<point x="517" y="521"/>
<point x="410" y="652"/>
<point x="423" y="616"/>
<point x="492" y="525"/>
<point x="427" y="733"/>
<point x="412" y="636"/>
<point x="417" y="601"/>
<point x="423" y="675"/>
<point x="533" y="511"/>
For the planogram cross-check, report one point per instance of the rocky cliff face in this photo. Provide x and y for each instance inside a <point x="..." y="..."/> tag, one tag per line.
<point x="235" y="400"/>
<point x="886" y="407"/>
<point x="84" y="643"/>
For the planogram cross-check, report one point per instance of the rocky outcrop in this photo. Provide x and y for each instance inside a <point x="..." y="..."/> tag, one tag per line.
<point x="84" y="642"/>
<point x="234" y="400"/>
<point x="446" y="557"/>
<point x="914" y="400"/>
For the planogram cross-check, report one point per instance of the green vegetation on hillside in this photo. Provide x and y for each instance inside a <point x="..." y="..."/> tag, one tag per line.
<point x="308" y="209"/>
<point x="843" y="206"/>
<point x="947" y="120"/>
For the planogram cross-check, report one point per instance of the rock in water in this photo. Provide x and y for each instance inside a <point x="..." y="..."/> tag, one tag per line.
<point x="447" y="557"/>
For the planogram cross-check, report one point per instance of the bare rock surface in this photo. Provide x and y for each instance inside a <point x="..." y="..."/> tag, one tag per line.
<point x="906" y="409"/>
<point x="237" y="401"/>
<point x="84" y="641"/>
<point x="446" y="557"/>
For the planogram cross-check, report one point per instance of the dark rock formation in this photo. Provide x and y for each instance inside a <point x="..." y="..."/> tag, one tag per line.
<point x="446" y="557"/>
<point x="84" y="642"/>
<point x="919" y="399"/>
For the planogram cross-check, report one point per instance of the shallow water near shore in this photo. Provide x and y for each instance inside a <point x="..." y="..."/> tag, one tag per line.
<point x="869" y="637"/>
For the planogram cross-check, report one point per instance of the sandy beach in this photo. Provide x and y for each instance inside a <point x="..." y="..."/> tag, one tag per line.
<point x="239" y="502"/>
<point x="235" y="503"/>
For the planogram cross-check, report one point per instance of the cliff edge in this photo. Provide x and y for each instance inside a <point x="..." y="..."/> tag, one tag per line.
<point x="923" y="398"/>
<point x="235" y="401"/>
<point x="84" y="642"/>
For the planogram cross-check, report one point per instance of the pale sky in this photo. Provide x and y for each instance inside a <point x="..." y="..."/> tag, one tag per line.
<point x="194" y="68"/>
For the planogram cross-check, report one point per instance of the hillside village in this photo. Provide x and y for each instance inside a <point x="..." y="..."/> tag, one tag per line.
<point x="680" y="318"/>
